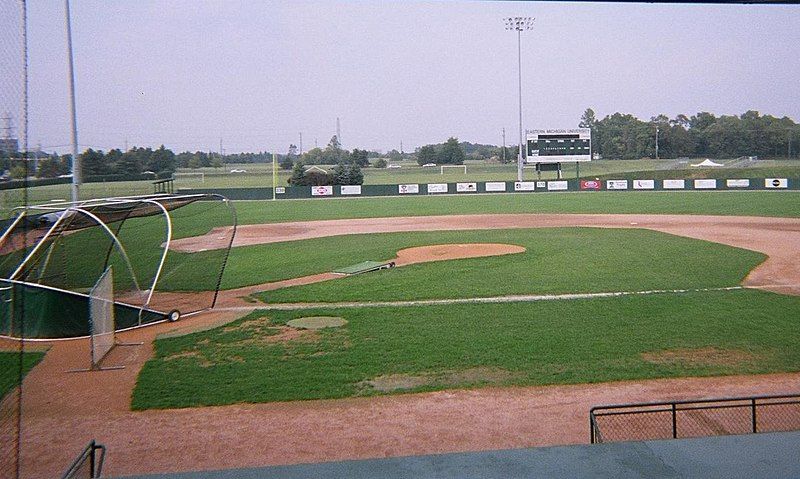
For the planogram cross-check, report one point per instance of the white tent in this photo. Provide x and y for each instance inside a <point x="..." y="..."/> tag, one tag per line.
<point x="708" y="162"/>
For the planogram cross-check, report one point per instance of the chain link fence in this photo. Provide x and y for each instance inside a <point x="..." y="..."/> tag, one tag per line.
<point x="685" y="419"/>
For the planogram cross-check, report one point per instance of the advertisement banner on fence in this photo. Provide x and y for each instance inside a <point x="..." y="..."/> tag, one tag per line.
<point x="674" y="184"/>
<point x="541" y="184"/>
<point x="321" y="190"/>
<point x="644" y="184"/>
<point x="437" y="188"/>
<point x="705" y="184"/>
<point x="617" y="184"/>
<point x="280" y="190"/>
<point x="350" y="190"/>
<point x="408" y="189"/>
<point x="591" y="184"/>
<point x="776" y="183"/>
<point x="526" y="185"/>
<point x="466" y="187"/>
<point x="495" y="186"/>
<point x="737" y="183"/>
<point x="557" y="186"/>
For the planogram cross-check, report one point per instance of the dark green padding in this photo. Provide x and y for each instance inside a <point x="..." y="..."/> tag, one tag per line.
<point x="41" y="313"/>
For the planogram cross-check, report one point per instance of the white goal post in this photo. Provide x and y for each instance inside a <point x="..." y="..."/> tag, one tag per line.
<point x="442" y="167"/>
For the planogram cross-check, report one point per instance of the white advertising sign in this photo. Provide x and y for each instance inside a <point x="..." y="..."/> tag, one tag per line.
<point x="495" y="186"/>
<point x="280" y="190"/>
<point x="437" y="188"/>
<point x="527" y="185"/>
<point x="408" y="189"/>
<point x="737" y="183"/>
<point x="674" y="184"/>
<point x="644" y="184"/>
<point x="776" y="183"/>
<point x="321" y="190"/>
<point x="350" y="190"/>
<point x="557" y="185"/>
<point x="617" y="184"/>
<point x="466" y="187"/>
<point x="541" y="184"/>
<point x="705" y="184"/>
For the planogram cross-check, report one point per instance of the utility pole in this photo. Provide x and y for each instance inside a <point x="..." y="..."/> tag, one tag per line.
<point x="401" y="147"/>
<point x="504" y="144"/>
<point x="301" y="143"/>
<point x="519" y="24"/>
<point x="338" y="132"/>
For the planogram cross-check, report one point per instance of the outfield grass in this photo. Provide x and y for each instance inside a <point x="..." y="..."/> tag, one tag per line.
<point x="556" y="260"/>
<point x="455" y="346"/>
<point x="746" y="203"/>
<point x="10" y="368"/>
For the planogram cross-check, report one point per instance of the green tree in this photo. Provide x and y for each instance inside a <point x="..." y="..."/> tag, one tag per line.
<point x="93" y="163"/>
<point x="451" y="153"/>
<point x="359" y="157"/>
<point x="162" y="161"/>
<point x="427" y="154"/>
<point x="380" y="163"/>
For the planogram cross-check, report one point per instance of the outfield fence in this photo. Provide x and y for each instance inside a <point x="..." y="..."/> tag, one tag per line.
<point x="483" y="187"/>
<point x="696" y="418"/>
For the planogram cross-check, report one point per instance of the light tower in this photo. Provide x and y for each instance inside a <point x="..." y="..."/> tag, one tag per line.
<point x="519" y="24"/>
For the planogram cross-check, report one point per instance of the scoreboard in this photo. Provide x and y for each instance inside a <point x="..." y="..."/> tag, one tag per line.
<point x="557" y="146"/>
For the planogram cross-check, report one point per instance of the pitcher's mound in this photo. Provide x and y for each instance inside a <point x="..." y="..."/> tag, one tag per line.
<point x="317" y="322"/>
<point x="423" y="254"/>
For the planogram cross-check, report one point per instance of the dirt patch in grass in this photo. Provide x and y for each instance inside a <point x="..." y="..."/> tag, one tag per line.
<point x="205" y="363"/>
<point x="285" y="334"/>
<point x="702" y="357"/>
<point x="401" y="382"/>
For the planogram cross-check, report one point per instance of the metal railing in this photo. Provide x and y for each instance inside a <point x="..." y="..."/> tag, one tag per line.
<point x="88" y="465"/>
<point x="694" y="418"/>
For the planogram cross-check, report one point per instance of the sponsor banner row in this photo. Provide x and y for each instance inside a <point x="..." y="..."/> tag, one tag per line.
<point x="558" y="185"/>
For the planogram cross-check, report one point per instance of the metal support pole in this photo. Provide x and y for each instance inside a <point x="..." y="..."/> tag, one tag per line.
<point x="274" y="174"/>
<point x="521" y="134"/>
<point x="674" y="422"/>
<point x="76" y="165"/>
<point x="753" y="411"/>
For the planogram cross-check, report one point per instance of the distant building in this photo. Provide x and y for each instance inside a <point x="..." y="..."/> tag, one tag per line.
<point x="9" y="145"/>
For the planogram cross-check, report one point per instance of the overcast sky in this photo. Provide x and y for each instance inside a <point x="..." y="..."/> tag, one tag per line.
<point x="187" y="73"/>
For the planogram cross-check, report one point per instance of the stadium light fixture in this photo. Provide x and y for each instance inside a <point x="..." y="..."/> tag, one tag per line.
<point x="519" y="24"/>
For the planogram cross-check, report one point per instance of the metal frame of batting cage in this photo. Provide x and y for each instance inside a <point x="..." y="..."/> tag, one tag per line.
<point x="673" y="407"/>
<point x="95" y="464"/>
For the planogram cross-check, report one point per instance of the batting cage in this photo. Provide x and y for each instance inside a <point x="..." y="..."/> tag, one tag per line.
<point x="54" y="254"/>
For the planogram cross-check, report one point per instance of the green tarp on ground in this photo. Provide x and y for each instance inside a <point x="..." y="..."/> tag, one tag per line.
<point x="361" y="267"/>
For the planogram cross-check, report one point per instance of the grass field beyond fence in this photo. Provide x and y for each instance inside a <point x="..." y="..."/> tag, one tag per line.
<point x="10" y="368"/>
<point x="388" y="350"/>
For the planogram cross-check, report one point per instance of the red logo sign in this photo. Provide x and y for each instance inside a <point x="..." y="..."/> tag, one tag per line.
<point x="590" y="185"/>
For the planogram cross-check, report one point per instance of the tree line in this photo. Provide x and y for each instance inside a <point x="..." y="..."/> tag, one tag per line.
<point x="623" y="136"/>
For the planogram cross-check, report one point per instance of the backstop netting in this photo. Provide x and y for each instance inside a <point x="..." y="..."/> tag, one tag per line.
<point x="55" y="254"/>
<point x="101" y="317"/>
<point x="13" y="148"/>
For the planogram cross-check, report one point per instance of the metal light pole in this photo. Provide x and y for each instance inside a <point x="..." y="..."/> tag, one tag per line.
<point x="519" y="24"/>
<point x="656" y="142"/>
<point x="76" y="165"/>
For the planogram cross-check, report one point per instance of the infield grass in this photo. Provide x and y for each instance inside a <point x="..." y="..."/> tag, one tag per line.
<point x="388" y="350"/>
<point x="556" y="260"/>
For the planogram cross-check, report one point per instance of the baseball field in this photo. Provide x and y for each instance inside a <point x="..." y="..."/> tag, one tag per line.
<point x="503" y="311"/>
